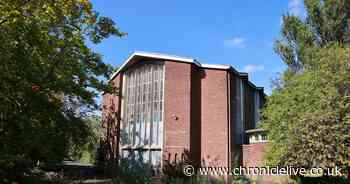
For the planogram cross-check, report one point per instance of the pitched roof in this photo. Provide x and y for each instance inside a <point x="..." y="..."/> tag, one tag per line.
<point x="141" y="54"/>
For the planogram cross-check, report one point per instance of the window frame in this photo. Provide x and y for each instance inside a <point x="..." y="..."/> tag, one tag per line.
<point x="158" y="101"/>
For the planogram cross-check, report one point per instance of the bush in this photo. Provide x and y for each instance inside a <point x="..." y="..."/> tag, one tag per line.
<point x="14" y="168"/>
<point x="131" y="171"/>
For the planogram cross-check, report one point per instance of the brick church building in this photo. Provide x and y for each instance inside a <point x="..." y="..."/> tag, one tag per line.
<point x="167" y="104"/>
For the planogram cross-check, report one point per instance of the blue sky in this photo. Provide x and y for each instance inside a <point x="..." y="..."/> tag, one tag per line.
<point x="237" y="33"/>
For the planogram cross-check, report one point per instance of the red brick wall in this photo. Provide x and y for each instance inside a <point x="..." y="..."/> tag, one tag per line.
<point x="198" y="98"/>
<point x="214" y="132"/>
<point x="111" y="106"/>
<point x="253" y="154"/>
<point x="177" y="98"/>
<point x="195" y="127"/>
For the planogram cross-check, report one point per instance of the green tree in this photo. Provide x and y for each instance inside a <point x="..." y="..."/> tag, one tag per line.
<point x="309" y="120"/>
<point x="308" y="114"/>
<point x="327" y="22"/>
<point x="88" y="152"/>
<point x="49" y="76"/>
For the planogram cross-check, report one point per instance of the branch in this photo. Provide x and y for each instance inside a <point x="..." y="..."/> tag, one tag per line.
<point x="3" y="21"/>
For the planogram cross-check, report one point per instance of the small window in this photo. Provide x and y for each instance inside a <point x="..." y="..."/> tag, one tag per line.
<point x="264" y="137"/>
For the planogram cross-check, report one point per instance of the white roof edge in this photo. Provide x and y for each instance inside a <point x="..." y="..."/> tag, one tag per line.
<point x="120" y="68"/>
<point x="215" y="66"/>
<point x="176" y="58"/>
<point x="165" y="56"/>
<point x="168" y="57"/>
<point x="154" y="55"/>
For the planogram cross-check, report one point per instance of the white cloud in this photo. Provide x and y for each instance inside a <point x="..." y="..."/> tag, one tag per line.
<point x="295" y="7"/>
<point x="253" y="68"/>
<point x="238" y="42"/>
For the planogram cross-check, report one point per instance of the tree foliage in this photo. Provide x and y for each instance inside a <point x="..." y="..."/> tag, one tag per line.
<point x="308" y="116"/>
<point x="88" y="152"/>
<point x="49" y="76"/>
<point x="327" y="22"/>
<point x="309" y="120"/>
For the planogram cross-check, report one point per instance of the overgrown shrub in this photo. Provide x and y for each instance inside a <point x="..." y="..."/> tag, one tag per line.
<point x="173" y="169"/>
<point x="13" y="168"/>
<point x="133" y="171"/>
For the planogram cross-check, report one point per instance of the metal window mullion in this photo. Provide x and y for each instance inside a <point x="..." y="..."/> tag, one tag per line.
<point x="146" y="106"/>
<point x="129" y="107"/>
<point x="141" y="107"/>
<point x="133" y="109"/>
<point x="158" y="105"/>
<point x="145" y="111"/>
<point x="137" y="124"/>
<point x="125" y="119"/>
<point x="143" y="128"/>
<point x="138" y="106"/>
<point x="162" y="113"/>
<point x="154" y="105"/>
<point x="137" y="101"/>
<point x="151" y="104"/>
<point x="127" y="113"/>
<point x="161" y="96"/>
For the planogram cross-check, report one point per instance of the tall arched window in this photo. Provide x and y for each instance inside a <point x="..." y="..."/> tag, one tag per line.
<point x="142" y="112"/>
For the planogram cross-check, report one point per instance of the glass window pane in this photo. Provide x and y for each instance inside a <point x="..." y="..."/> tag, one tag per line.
<point x="145" y="156"/>
<point x="154" y="133"/>
<point x="160" y="133"/>
<point x="155" y="157"/>
<point x="125" y="154"/>
<point x="142" y="119"/>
